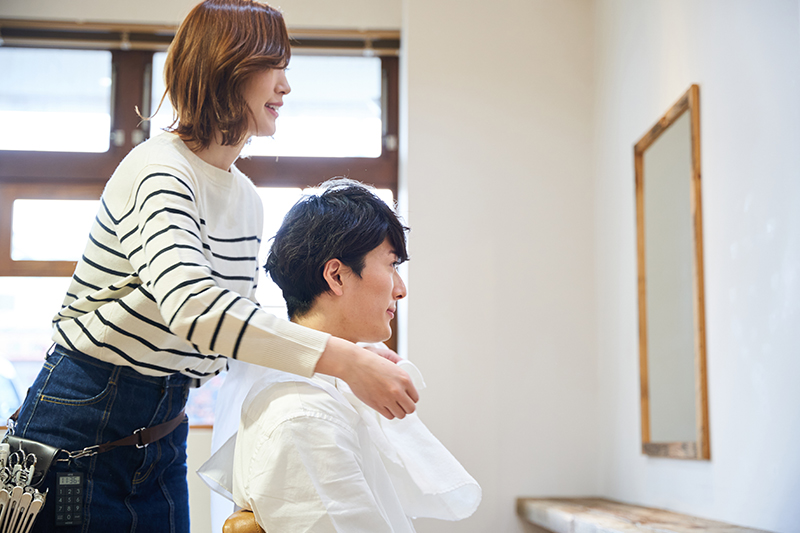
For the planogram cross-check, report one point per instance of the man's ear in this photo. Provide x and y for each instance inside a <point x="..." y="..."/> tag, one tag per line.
<point x="333" y="271"/>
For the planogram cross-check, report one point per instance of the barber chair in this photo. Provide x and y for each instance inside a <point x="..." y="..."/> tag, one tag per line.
<point x="243" y="521"/>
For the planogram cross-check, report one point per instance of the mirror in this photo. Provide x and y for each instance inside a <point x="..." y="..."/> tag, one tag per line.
<point x="672" y="346"/>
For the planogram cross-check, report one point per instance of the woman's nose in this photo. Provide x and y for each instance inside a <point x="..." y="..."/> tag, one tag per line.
<point x="283" y="83"/>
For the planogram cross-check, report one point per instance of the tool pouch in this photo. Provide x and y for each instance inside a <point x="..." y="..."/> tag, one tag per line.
<point x="44" y="453"/>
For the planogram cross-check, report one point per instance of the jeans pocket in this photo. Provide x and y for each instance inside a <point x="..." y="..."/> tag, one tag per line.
<point x="68" y="403"/>
<point x="73" y="382"/>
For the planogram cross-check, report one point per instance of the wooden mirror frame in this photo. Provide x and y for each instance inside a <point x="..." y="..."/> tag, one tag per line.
<point x="699" y="449"/>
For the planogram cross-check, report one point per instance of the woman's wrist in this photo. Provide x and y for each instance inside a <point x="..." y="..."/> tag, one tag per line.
<point x="339" y="358"/>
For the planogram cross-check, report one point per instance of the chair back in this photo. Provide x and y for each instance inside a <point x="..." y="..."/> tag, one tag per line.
<point x="243" y="521"/>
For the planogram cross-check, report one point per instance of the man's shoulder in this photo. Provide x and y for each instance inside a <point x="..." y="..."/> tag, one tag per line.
<point x="300" y="401"/>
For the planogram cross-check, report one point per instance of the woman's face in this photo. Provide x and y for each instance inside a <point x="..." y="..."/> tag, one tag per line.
<point x="264" y="94"/>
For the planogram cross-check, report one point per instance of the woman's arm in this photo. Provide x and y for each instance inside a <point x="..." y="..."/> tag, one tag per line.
<point x="164" y="244"/>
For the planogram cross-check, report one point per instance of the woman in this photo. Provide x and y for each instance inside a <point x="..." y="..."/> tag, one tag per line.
<point x="164" y="291"/>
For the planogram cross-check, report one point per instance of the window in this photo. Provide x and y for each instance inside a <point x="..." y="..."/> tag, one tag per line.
<point x="55" y="100"/>
<point x="334" y="109"/>
<point x="109" y="72"/>
<point x="32" y="235"/>
<point x="27" y="305"/>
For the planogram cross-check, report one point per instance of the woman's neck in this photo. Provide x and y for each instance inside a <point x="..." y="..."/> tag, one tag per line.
<point x="217" y="155"/>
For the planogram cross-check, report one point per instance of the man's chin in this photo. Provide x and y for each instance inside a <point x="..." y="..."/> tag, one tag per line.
<point x="377" y="338"/>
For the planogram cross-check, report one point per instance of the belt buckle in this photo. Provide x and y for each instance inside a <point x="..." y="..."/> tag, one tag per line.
<point x="141" y="444"/>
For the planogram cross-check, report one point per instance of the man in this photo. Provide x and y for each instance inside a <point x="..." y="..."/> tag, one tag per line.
<point x="309" y="455"/>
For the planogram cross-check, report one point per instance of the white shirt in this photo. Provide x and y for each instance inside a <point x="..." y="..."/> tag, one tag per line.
<point x="311" y="457"/>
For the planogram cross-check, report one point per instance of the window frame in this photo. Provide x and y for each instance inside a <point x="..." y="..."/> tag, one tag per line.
<point x="62" y="175"/>
<point x="9" y="192"/>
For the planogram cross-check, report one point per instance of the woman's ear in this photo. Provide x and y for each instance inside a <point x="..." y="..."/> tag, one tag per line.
<point x="333" y="271"/>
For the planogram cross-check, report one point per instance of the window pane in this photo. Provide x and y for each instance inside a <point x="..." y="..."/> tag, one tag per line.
<point x="34" y="237"/>
<point x="55" y="100"/>
<point x="163" y="118"/>
<point x="200" y="405"/>
<point x="334" y="109"/>
<point x="27" y="307"/>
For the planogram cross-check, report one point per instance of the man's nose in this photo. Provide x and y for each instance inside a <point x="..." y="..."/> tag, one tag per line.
<point x="399" y="287"/>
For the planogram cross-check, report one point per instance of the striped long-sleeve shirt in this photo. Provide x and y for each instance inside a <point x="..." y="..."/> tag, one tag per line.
<point x="166" y="283"/>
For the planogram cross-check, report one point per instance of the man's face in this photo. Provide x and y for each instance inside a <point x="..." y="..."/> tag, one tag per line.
<point x="369" y="302"/>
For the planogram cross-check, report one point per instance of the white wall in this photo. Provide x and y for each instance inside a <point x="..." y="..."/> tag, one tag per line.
<point x="344" y="14"/>
<point x="198" y="449"/>
<point x="745" y="56"/>
<point x="497" y="176"/>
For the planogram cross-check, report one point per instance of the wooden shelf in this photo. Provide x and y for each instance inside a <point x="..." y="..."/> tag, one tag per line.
<point x="598" y="515"/>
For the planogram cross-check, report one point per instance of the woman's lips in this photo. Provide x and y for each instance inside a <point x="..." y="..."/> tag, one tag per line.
<point x="274" y="108"/>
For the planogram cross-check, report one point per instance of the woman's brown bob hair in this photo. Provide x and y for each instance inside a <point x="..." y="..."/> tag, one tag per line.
<point x="217" y="48"/>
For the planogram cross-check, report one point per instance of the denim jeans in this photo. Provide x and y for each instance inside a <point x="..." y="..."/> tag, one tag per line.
<point x="78" y="401"/>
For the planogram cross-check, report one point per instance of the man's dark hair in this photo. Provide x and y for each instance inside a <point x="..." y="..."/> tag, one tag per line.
<point x="346" y="222"/>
